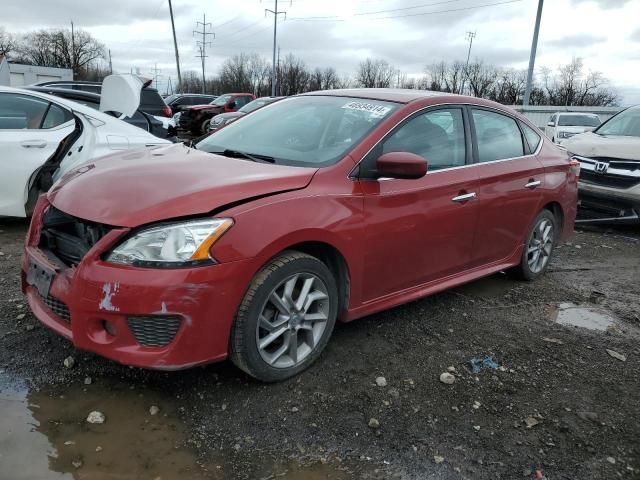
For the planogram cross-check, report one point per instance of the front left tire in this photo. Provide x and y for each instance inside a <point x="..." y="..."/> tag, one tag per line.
<point x="286" y="317"/>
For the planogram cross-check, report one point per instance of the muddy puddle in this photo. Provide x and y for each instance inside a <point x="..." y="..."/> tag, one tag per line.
<point x="591" y="318"/>
<point x="45" y="436"/>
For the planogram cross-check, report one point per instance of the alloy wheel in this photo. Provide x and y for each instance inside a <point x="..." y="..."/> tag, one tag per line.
<point x="540" y="245"/>
<point x="292" y="320"/>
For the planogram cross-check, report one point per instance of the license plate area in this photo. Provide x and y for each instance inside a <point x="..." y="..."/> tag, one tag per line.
<point x="40" y="277"/>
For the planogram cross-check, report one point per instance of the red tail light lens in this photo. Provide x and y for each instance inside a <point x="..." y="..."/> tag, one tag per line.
<point x="166" y="110"/>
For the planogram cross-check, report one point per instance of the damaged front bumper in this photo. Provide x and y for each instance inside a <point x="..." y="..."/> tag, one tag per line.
<point x="151" y="318"/>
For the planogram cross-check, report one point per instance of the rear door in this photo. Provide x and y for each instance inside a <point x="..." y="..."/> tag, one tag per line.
<point x="31" y="130"/>
<point x="420" y="230"/>
<point x="511" y="179"/>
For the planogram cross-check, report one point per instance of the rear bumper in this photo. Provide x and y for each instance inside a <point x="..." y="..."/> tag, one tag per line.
<point x="105" y="301"/>
<point x="599" y="204"/>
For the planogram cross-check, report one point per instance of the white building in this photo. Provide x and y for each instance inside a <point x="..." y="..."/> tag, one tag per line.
<point x="18" y="75"/>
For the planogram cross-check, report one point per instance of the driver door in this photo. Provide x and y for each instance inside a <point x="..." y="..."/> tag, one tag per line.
<point x="31" y="129"/>
<point x="420" y="230"/>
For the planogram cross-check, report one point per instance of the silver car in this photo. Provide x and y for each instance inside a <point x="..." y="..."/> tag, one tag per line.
<point x="609" y="187"/>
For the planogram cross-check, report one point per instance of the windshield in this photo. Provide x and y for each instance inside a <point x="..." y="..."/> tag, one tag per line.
<point x="221" y="100"/>
<point x="256" y="104"/>
<point x="311" y="131"/>
<point x="625" y="123"/>
<point x="578" y="121"/>
<point x="171" y="98"/>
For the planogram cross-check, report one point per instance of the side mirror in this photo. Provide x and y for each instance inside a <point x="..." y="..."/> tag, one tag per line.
<point x="401" y="165"/>
<point x="551" y="124"/>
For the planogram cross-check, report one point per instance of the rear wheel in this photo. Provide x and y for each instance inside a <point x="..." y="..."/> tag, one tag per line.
<point x="204" y="127"/>
<point x="286" y="317"/>
<point x="538" y="247"/>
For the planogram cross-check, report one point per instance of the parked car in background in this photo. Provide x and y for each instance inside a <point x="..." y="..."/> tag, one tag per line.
<point x="139" y="119"/>
<point x="563" y="125"/>
<point x="223" y="119"/>
<point x="151" y="101"/>
<point x="610" y="169"/>
<point x="321" y="207"/>
<point x="181" y="101"/>
<point x="196" y="118"/>
<point x="43" y="136"/>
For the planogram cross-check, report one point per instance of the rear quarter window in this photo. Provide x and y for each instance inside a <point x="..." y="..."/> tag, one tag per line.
<point x="532" y="138"/>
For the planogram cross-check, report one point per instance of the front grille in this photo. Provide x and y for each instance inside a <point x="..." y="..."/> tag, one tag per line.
<point x="56" y="306"/>
<point x="154" y="331"/>
<point x="608" y="179"/>
<point x="69" y="238"/>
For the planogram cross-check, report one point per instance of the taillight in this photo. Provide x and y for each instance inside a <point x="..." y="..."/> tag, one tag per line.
<point x="574" y="164"/>
<point x="166" y="110"/>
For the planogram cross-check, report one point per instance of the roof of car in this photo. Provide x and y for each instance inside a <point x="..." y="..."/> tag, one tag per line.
<point x="398" y="95"/>
<point x="577" y="113"/>
<point x="65" y="91"/>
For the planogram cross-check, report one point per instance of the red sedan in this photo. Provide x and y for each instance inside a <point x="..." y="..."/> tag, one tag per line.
<point x="321" y="207"/>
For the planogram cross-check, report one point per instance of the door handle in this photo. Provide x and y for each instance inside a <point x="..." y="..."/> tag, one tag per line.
<point x="464" y="197"/>
<point x="533" y="184"/>
<point x="34" y="143"/>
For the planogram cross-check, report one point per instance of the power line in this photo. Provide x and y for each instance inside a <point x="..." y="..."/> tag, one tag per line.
<point x="337" y="18"/>
<point x="202" y="44"/>
<point x="275" y="13"/>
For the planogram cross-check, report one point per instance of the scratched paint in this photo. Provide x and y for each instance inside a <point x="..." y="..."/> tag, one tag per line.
<point x="109" y="291"/>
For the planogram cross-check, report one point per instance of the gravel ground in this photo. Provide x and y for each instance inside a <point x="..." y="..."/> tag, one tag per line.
<point x="559" y="401"/>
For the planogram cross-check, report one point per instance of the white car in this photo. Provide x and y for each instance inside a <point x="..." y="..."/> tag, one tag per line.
<point x="42" y="137"/>
<point x="563" y="125"/>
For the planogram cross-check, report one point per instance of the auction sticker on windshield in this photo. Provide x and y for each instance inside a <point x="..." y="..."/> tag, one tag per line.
<point x="374" y="109"/>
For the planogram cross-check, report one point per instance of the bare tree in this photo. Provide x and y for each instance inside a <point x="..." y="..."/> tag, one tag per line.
<point x="435" y="75"/>
<point x="375" y="73"/>
<point x="8" y="43"/>
<point x="509" y="87"/>
<point x="60" y="48"/>
<point x="294" y="76"/>
<point x="571" y="87"/>
<point x="481" y="78"/>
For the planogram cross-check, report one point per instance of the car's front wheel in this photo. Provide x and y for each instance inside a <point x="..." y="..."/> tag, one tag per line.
<point x="538" y="247"/>
<point x="286" y="317"/>
<point x="204" y="127"/>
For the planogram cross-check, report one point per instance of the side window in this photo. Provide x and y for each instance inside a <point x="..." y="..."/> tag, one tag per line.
<point x="56" y="116"/>
<point x="18" y="112"/>
<point x="437" y="135"/>
<point x="532" y="137"/>
<point x="498" y="136"/>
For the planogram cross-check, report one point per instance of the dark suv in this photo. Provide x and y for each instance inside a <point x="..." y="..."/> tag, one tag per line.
<point x="181" y="101"/>
<point x="150" y="100"/>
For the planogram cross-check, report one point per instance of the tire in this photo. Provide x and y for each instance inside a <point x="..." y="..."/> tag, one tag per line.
<point x="263" y="317"/>
<point x="204" y="127"/>
<point x="529" y="269"/>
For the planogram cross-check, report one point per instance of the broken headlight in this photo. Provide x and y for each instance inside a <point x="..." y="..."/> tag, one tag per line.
<point x="172" y="245"/>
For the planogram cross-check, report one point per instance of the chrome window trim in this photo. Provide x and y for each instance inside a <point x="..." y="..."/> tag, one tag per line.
<point x="352" y="175"/>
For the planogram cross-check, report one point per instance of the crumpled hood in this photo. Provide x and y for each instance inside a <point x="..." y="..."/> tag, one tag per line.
<point x="594" y="145"/>
<point x="144" y="186"/>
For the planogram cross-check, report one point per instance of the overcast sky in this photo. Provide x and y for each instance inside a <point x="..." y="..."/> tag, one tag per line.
<point x="408" y="33"/>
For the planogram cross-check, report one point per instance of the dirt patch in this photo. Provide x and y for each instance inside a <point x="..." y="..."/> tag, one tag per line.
<point x="565" y="406"/>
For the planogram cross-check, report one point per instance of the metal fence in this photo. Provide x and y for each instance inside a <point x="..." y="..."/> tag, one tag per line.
<point x="540" y="114"/>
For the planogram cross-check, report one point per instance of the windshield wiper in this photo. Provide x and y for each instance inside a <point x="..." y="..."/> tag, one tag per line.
<point x="254" y="157"/>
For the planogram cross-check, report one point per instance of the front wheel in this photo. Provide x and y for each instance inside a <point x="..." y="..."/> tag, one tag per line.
<point x="286" y="317"/>
<point x="538" y="247"/>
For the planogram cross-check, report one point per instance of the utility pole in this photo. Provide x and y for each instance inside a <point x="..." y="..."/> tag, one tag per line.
<point x="155" y="71"/>
<point x="175" y="46"/>
<point x="278" y="72"/>
<point x="470" y="37"/>
<point x="275" y="31"/>
<point x="532" y="58"/>
<point x="110" y="64"/>
<point x="202" y="44"/>
<point x="73" y="50"/>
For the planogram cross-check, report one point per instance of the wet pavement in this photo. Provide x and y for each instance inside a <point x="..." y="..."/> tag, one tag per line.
<point x="45" y="435"/>
<point x="591" y="318"/>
